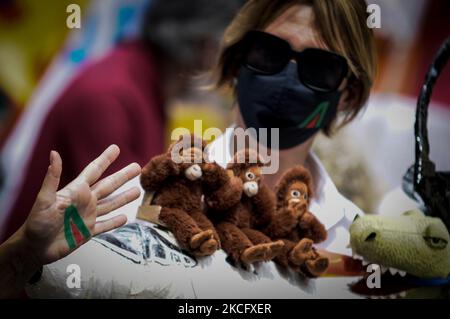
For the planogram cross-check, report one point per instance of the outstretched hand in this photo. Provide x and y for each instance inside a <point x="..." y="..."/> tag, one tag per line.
<point x="61" y="221"/>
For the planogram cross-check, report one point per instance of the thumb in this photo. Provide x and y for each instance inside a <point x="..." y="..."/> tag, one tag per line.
<point x="47" y="194"/>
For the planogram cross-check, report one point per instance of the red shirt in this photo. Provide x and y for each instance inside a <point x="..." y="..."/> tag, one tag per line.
<point x="115" y="100"/>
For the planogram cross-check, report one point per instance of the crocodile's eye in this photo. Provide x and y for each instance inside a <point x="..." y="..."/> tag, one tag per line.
<point x="295" y="193"/>
<point x="249" y="176"/>
<point x="436" y="235"/>
<point x="436" y="242"/>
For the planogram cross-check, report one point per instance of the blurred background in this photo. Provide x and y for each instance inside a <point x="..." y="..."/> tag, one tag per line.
<point x="40" y="56"/>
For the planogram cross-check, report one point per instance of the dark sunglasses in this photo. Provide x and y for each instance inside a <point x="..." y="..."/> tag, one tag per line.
<point x="319" y="70"/>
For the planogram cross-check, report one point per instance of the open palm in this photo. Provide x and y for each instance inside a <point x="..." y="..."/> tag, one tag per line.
<point x="46" y="227"/>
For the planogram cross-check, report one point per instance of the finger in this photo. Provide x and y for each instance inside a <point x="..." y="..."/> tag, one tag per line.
<point x="109" y="184"/>
<point x="109" y="204"/>
<point x="96" y="168"/>
<point x="109" y="224"/>
<point x="47" y="193"/>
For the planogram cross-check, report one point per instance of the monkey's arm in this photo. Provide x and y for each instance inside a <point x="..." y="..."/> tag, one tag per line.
<point x="214" y="176"/>
<point x="310" y="227"/>
<point x="221" y="190"/>
<point x="283" y="223"/>
<point x="264" y="205"/>
<point x="156" y="172"/>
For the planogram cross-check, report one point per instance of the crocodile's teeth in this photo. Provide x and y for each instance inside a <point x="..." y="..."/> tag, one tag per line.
<point x="383" y="269"/>
<point x="402" y="294"/>
<point x="365" y="262"/>
<point x="393" y="271"/>
<point x="402" y="273"/>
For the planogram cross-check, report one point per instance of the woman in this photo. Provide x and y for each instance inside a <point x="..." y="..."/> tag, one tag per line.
<point x="302" y="67"/>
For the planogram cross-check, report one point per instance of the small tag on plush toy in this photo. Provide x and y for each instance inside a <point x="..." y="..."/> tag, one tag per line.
<point x="149" y="212"/>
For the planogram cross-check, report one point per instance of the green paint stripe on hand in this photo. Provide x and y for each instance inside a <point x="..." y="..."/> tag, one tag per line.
<point x="71" y="212"/>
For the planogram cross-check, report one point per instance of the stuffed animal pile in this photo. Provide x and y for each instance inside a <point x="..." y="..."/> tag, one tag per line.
<point x="207" y="207"/>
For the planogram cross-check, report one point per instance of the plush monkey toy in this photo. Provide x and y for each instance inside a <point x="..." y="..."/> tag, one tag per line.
<point x="179" y="187"/>
<point x="237" y="226"/>
<point x="296" y="226"/>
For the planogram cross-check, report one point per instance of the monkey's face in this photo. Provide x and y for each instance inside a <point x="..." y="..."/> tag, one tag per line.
<point x="297" y="195"/>
<point x="190" y="157"/>
<point x="251" y="178"/>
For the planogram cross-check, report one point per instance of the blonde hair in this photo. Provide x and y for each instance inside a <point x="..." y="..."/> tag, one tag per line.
<point x="342" y="27"/>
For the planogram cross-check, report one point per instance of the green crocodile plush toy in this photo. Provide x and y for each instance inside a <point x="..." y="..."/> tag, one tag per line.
<point x="410" y="243"/>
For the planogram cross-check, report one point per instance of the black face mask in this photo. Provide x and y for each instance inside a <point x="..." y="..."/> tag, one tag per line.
<point x="282" y="101"/>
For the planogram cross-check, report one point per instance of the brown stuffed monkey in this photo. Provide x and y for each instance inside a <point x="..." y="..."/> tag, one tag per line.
<point x="296" y="226"/>
<point x="238" y="226"/>
<point x="179" y="187"/>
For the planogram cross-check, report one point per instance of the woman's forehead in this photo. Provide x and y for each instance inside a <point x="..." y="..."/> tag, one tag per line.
<point x="296" y="25"/>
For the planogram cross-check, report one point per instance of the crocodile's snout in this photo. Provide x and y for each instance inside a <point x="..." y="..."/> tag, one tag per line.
<point x="410" y="243"/>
